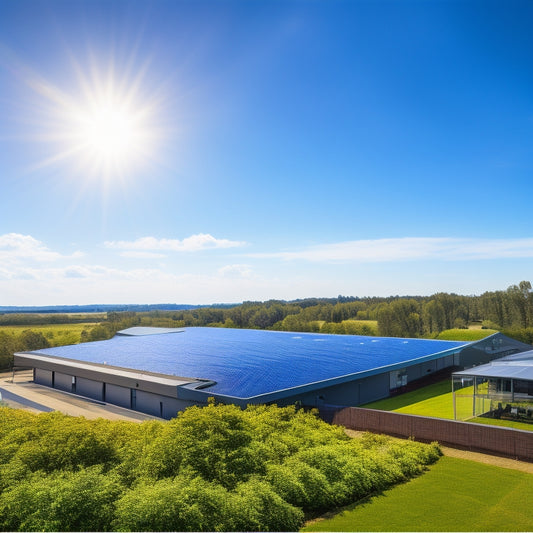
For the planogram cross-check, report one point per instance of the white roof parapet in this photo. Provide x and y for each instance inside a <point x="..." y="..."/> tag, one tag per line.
<point x="138" y="331"/>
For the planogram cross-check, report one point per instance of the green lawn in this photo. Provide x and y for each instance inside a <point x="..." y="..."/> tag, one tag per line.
<point x="437" y="400"/>
<point x="454" y="495"/>
<point x="433" y="400"/>
<point x="504" y="423"/>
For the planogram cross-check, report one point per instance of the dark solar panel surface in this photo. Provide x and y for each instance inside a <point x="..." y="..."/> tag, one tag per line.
<point x="247" y="363"/>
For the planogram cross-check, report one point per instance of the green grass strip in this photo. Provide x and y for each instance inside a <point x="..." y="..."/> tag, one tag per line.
<point x="454" y="495"/>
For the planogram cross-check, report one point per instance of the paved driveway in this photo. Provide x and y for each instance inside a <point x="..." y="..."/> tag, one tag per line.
<point x="22" y="393"/>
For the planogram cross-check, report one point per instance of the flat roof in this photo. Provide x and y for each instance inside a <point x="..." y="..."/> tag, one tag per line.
<point x="248" y="363"/>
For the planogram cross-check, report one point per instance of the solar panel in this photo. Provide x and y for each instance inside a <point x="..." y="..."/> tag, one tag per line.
<point x="246" y="363"/>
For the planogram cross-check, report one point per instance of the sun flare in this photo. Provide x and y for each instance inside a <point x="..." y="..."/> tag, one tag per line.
<point x="110" y="132"/>
<point x="106" y="127"/>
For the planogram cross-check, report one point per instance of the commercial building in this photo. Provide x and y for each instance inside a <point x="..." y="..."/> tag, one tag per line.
<point x="162" y="371"/>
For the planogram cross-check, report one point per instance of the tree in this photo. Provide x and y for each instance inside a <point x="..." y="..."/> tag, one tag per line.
<point x="400" y="318"/>
<point x="33" y="340"/>
<point x="522" y="300"/>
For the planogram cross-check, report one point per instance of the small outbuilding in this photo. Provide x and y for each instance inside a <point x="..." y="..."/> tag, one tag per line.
<point x="501" y="388"/>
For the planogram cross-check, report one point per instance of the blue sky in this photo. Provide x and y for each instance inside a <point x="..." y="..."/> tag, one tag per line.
<point x="263" y="149"/>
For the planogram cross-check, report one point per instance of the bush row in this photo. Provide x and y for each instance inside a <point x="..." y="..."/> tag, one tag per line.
<point x="216" y="468"/>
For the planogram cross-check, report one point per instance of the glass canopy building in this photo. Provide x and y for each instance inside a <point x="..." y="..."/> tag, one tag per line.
<point x="503" y="387"/>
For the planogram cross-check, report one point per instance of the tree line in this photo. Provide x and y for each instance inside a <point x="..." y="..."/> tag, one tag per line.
<point x="415" y="316"/>
<point x="509" y="311"/>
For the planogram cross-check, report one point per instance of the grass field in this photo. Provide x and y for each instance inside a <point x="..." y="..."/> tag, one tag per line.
<point x="360" y="327"/>
<point x="437" y="400"/>
<point x="465" y="334"/>
<point x="454" y="495"/>
<point x="503" y="423"/>
<point x="433" y="400"/>
<point x="57" y="334"/>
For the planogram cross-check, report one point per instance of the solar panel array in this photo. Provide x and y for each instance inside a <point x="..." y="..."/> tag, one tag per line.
<point x="247" y="363"/>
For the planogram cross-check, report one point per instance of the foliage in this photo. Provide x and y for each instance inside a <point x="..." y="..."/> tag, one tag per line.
<point x="522" y="335"/>
<point x="20" y="338"/>
<point x="36" y="319"/>
<point x="209" y="469"/>
<point x="83" y="500"/>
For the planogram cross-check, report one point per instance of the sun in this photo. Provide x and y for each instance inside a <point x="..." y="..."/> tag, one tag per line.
<point x="110" y="133"/>
<point x="105" y="126"/>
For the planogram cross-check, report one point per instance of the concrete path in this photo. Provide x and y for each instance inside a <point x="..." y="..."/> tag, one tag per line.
<point x="22" y="393"/>
<point x="19" y="402"/>
<point x="503" y="462"/>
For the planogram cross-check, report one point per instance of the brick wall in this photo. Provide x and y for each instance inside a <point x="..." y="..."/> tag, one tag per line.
<point x="506" y="442"/>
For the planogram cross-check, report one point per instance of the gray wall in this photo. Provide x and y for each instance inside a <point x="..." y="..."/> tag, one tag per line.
<point x="491" y="348"/>
<point x="421" y="370"/>
<point x="158" y="405"/>
<point x="118" y="395"/>
<point x="42" y="377"/>
<point x="90" y="388"/>
<point x="444" y="362"/>
<point x="63" y="381"/>
<point x="353" y="393"/>
<point x="146" y="402"/>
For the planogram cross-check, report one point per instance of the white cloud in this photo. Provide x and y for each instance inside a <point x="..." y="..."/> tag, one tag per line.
<point x="100" y="284"/>
<point x="236" y="271"/>
<point x="16" y="248"/>
<point x="141" y="255"/>
<point x="194" y="243"/>
<point x="33" y="274"/>
<point x="410" y="249"/>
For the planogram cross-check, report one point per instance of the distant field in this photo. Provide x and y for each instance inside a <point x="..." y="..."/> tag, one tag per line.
<point x="358" y="327"/>
<point x="465" y="334"/>
<point x="57" y="334"/>
<point x="454" y="495"/>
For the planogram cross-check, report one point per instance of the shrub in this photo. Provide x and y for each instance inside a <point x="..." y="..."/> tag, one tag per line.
<point x="178" y="504"/>
<point x="65" y="501"/>
<point x="261" y="509"/>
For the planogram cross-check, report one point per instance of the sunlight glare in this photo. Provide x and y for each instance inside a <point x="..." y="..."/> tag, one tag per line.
<point x="107" y="128"/>
<point x="109" y="131"/>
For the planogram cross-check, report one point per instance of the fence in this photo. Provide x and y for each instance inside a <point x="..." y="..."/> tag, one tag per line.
<point x="506" y="442"/>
